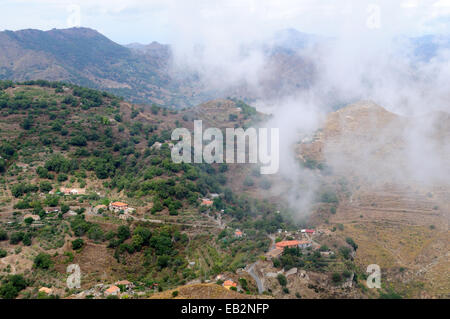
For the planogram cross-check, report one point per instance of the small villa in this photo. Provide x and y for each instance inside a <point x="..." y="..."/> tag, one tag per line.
<point x="287" y="243"/>
<point x="119" y="206"/>
<point x="207" y="202"/>
<point x="238" y="234"/>
<point x="112" y="291"/>
<point x="229" y="283"/>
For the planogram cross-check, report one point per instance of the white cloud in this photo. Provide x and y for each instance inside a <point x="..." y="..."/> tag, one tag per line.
<point x="144" y="18"/>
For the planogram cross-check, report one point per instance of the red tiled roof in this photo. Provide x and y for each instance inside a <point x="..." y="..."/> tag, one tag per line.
<point x="287" y="243"/>
<point x="119" y="204"/>
<point x="112" y="289"/>
<point x="207" y="202"/>
<point x="229" y="283"/>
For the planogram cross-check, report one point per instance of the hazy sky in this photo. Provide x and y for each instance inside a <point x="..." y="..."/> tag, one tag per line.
<point x="126" y="21"/>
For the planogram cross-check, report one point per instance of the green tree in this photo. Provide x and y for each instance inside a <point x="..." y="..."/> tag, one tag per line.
<point x="27" y="239"/>
<point x="77" y="244"/>
<point x="16" y="238"/>
<point x="282" y="280"/>
<point x="12" y="285"/>
<point x="162" y="261"/>
<point x="45" y="186"/>
<point x="336" y="277"/>
<point x="3" y="235"/>
<point x="43" y="261"/>
<point x="123" y="232"/>
<point x="64" y="208"/>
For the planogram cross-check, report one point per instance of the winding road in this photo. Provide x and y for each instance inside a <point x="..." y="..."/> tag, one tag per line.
<point x="259" y="283"/>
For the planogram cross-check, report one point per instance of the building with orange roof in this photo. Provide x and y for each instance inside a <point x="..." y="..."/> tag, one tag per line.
<point x="238" y="233"/>
<point x="112" y="291"/>
<point x="229" y="283"/>
<point x="293" y="243"/>
<point x="119" y="206"/>
<point x="207" y="202"/>
<point x="287" y="243"/>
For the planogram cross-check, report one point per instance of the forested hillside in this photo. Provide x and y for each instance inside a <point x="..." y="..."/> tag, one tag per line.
<point x="57" y="137"/>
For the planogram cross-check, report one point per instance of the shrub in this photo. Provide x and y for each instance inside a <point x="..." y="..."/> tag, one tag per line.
<point x="3" y="235"/>
<point x="77" y="244"/>
<point x="3" y="253"/>
<point x="16" y="238"/>
<point x="336" y="277"/>
<point x="64" y="208"/>
<point x="175" y="293"/>
<point x="163" y="261"/>
<point x="45" y="187"/>
<point x="43" y="261"/>
<point x="95" y="233"/>
<point x="42" y="172"/>
<point x="346" y="274"/>
<point x="282" y="280"/>
<point x="123" y="233"/>
<point x="12" y="286"/>
<point x="351" y="243"/>
<point x="27" y="239"/>
<point x="346" y="252"/>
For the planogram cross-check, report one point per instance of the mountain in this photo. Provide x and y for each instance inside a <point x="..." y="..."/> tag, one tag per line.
<point x="140" y="73"/>
<point x="391" y="176"/>
<point x="85" y="57"/>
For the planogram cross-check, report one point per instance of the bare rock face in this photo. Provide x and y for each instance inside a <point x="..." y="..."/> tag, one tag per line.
<point x="291" y="272"/>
